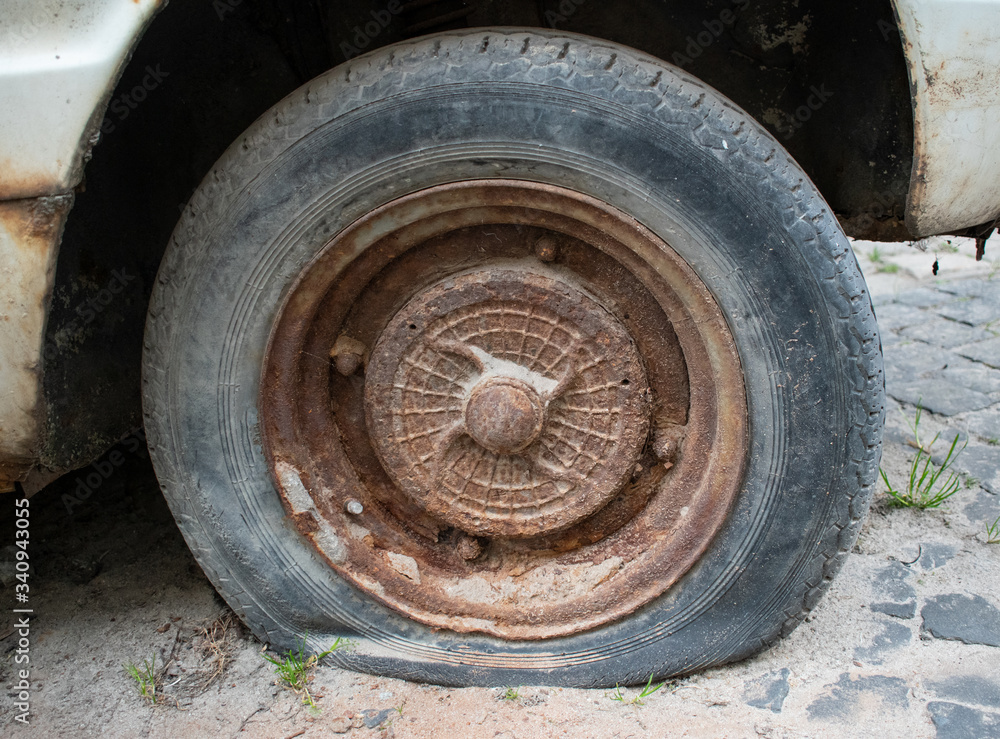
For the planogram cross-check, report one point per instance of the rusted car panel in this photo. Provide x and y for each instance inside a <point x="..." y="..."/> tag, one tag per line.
<point x="59" y="60"/>
<point x="953" y="53"/>
<point x="29" y="239"/>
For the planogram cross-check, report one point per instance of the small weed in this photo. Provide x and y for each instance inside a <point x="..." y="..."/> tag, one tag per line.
<point x="293" y="669"/>
<point x="512" y="694"/>
<point x="875" y="256"/>
<point x="993" y="532"/>
<point x="993" y="441"/>
<point x="638" y="700"/>
<point x="145" y="678"/>
<point x="949" y="248"/>
<point x="889" y="269"/>
<point x="971" y="482"/>
<point x="925" y="488"/>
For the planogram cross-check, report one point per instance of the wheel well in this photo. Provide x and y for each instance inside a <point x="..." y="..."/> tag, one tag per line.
<point x="828" y="80"/>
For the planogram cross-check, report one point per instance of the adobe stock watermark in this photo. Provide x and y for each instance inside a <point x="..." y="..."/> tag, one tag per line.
<point x="123" y="105"/>
<point x="566" y="10"/>
<point x="42" y="15"/>
<point x="22" y="594"/>
<point x="889" y="30"/>
<point x="800" y="116"/>
<point x="88" y="482"/>
<point x="884" y="208"/>
<point x="363" y="35"/>
<point x="88" y="310"/>
<point x="697" y="44"/>
<point x="223" y="8"/>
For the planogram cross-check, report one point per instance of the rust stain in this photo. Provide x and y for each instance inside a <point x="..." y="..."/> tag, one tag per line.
<point x="18" y="186"/>
<point x="30" y="231"/>
<point x="494" y="436"/>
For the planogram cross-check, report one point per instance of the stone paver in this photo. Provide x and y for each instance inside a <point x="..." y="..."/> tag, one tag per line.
<point x="939" y="395"/>
<point x="986" y="423"/>
<point x="987" y="352"/>
<point x="944" y="333"/>
<point x="972" y="688"/>
<point x="966" y="618"/>
<point x="972" y="311"/>
<point x="954" y="721"/>
<point x="941" y="343"/>
<point x="768" y="691"/>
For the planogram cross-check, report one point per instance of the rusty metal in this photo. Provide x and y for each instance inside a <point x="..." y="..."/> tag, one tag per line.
<point x="469" y="547"/>
<point x="348" y="355"/>
<point x="29" y="242"/>
<point x="546" y="249"/>
<point x="507" y="403"/>
<point x="444" y="286"/>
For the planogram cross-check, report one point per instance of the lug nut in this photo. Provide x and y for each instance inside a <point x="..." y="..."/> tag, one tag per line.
<point x="354" y="507"/>
<point x="347" y="364"/>
<point x="665" y="450"/>
<point x="348" y="354"/>
<point x="546" y="249"/>
<point x="469" y="547"/>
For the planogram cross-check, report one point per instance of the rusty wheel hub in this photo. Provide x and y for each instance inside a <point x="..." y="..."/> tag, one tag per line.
<point x="531" y="420"/>
<point x="507" y="403"/>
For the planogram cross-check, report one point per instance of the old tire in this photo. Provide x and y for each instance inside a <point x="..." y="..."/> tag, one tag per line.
<point x="532" y="110"/>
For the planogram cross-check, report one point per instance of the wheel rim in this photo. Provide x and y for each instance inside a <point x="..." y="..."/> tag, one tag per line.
<point x="593" y="417"/>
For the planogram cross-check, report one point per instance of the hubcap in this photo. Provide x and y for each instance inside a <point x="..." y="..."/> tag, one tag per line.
<point x="507" y="403"/>
<point x="531" y="420"/>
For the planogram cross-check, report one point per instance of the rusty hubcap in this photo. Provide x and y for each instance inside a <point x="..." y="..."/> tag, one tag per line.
<point x="507" y="403"/>
<point x="532" y="419"/>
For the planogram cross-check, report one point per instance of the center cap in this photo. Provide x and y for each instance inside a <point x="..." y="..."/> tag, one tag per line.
<point x="504" y="415"/>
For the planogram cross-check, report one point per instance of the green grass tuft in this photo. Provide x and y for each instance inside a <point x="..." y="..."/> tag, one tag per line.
<point x="637" y="700"/>
<point x="145" y="678"/>
<point x="993" y="532"/>
<point x="925" y="487"/>
<point x="294" y="669"/>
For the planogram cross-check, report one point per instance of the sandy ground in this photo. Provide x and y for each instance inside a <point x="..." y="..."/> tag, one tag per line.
<point x="112" y="582"/>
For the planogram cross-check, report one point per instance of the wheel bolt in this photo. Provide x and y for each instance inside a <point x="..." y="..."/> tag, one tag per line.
<point x="665" y="448"/>
<point x="546" y="249"/>
<point x="348" y="354"/>
<point x="469" y="547"/>
<point x="347" y="364"/>
<point x="354" y="507"/>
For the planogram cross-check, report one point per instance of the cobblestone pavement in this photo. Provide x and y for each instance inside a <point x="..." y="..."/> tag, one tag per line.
<point x="941" y="343"/>
<point x="906" y="643"/>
